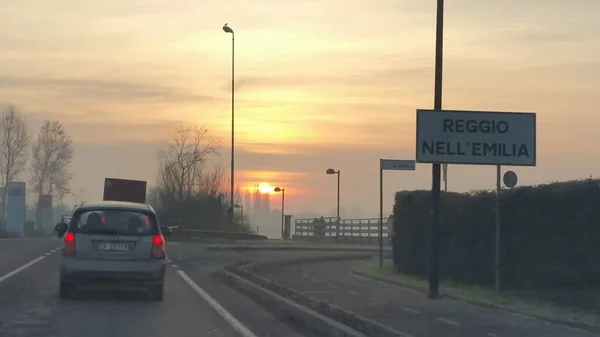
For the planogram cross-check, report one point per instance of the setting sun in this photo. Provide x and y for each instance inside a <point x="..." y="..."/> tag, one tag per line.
<point x="265" y="188"/>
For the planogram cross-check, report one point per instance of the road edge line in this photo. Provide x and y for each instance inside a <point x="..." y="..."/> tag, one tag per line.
<point x="21" y="268"/>
<point x="297" y="248"/>
<point x="227" y="316"/>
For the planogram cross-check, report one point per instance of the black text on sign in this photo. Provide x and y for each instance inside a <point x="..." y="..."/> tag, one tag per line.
<point x="476" y="137"/>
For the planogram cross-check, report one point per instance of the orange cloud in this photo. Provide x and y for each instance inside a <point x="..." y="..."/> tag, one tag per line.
<point x="253" y="177"/>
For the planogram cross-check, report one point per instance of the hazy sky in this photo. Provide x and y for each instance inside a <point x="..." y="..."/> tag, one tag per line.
<point x="320" y="83"/>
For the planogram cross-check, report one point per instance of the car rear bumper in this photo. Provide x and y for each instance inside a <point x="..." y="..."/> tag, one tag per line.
<point x="91" y="272"/>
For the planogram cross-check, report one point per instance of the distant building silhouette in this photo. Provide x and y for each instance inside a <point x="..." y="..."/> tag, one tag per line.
<point x="237" y="195"/>
<point x="247" y="200"/>
<point x="266" y="199"/>
<point x="259" y="211"/>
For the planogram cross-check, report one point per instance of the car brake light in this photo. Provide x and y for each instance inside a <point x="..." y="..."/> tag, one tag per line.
<point x="158" y="247"/>
<point x="68" y="248"/>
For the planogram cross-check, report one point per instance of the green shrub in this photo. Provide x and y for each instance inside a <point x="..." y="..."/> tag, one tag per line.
<point x="550" y="234"/>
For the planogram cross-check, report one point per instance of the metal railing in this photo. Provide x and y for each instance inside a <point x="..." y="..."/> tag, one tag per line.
<point x="331" y="227"/>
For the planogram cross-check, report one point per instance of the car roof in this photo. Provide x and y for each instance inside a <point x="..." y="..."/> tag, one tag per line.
<point x="123" y="205"/>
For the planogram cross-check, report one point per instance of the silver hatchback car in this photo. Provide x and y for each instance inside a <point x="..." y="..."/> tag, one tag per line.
<point x="113" y="243"/>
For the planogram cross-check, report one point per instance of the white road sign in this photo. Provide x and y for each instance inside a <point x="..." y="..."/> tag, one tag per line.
<point x="397" y="164"/>
<point x="476" y="137"/>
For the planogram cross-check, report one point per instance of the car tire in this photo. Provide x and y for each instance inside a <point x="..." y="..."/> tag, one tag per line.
<point x="157" y="292"/>
<point x="65" y="290"/>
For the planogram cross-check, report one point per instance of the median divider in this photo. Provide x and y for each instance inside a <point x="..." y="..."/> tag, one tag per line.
<point x="293" y="247"/>
<point x="321" y="317"/>
<point x="256" y="266"/>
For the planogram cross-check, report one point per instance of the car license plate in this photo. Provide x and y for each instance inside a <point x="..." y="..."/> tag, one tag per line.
<point x="114" y="246"/>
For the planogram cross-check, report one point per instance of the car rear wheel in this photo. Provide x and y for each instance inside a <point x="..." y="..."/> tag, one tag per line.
<point x="157" y="292"/>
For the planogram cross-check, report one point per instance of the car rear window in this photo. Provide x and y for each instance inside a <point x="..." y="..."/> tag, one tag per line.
<point x="114" y="222"/>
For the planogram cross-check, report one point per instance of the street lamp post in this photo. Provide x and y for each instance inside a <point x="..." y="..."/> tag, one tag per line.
<point x="228" y="29"/>
<point x="282" y="190"/>
<point x="337" y="227"/>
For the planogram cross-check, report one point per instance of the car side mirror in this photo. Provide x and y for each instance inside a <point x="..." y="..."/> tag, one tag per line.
<point x="60" y="229"/>
<point x="166" y="231"/>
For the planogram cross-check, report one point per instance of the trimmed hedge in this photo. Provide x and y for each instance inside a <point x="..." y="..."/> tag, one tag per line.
<point x="550" y="235"/>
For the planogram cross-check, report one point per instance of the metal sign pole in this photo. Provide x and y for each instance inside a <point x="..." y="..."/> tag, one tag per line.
<point x="389" y="164"/>
<point x="498" y="188"/>
<point x="282" y="214"/>
<point x="380" y="214"/>
<point x="434" y="254"/>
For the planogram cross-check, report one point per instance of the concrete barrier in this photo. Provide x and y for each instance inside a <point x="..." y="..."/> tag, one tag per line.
<point x="356" y="240"/>
<point x="326" y="318"/>
<point x="197" y="234"/>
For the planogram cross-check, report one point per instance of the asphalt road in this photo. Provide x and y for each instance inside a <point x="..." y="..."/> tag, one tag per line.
<point x="16" y="252"/>
<point x="408" y="311"/>
<point x="195" y="303"/>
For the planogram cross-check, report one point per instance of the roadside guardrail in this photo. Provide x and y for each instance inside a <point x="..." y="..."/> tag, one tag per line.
<point x="360" y="231"/>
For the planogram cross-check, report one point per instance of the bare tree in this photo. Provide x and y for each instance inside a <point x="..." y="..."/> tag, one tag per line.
<point x="52" y="154"/>
<point x="212" y="181"/>
<point x="14" y="140"/>
<point x="189" y="186"/>
<point x="183" y="172"/>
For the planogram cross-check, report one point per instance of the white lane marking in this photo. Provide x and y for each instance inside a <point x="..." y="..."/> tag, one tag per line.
<point x="449" y="321"/>
<point x="410" y="310"/>
<point x="48" y="254"/>
<point x="304" y="275"/>
<point x="332" y="286"/>
<point x="169" y="261"/>
<point x="21" y="268"/>
<point x="353" y="292"/>
<point x="237" y="325"/>
<point x="174" y="266"/>
<point x="314" y="279"/>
